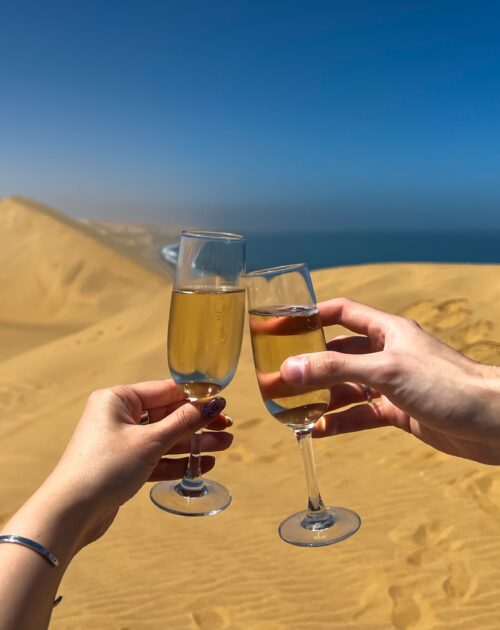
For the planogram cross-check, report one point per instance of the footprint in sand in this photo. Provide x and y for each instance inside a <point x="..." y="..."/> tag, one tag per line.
<point x="452" y="313"/>
<point x="459" y="584"/>
<point x="240" y="454"/>
<point x="429" y="543"/>
<point x="451" y="322"/>
<point x="91" y="338"/>
<point x="425" y="312"/>
<point x="475" y="338"/>
<point x="15" y="395"/>
<point x="479" y="331"/>
<point x="483" y="351"/>
<point x="207" y="618"/>
<point x="405" y="610"/>
<point x="375" y="603"/>
<point x="431" y="533"/>
<point x="95" y="336"/>
<point x="433" y="543"/>
<point x="435" y="317"/>
<point x="433" y="546"/>
<point x="484" y="489"/>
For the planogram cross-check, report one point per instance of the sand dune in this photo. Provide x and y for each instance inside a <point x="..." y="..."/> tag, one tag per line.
<point x="428" y="553"/>
<point x="458" y="303"/>
<point x="57" y="272"/>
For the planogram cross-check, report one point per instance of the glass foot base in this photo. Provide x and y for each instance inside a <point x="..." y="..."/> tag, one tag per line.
<point x="345" y="524"/>
<point x="166" y="496"/>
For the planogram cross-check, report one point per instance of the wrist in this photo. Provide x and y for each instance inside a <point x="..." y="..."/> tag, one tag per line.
<point x="54" y="519"/>
<point x="488" y="393"/>
<point x="29" y="583"/>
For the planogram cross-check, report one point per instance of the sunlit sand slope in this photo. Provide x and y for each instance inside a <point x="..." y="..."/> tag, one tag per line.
<point x="458" y="303"/>
<point x="427" y="554"/>
<point x="57" y="275"/>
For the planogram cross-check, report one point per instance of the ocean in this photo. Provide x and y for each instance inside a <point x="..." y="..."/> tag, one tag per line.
<point x="334" y="249"/>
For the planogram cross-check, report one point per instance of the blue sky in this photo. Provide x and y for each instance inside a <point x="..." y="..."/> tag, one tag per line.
<point x="255" y="115"/>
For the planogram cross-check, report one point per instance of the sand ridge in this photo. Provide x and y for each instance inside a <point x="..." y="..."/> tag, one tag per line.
<point x="427" y="554"/>
<point x="58" y="276"/>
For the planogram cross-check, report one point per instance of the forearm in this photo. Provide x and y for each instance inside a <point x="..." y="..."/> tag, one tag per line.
<point x="28" y="582"/>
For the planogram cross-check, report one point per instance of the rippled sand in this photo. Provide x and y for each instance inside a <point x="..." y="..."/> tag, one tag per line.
<point x="81" y="311"/>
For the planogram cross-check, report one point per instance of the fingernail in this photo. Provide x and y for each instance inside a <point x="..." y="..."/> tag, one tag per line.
<point x="228" y="419"/>
<point x="212" y="407"/>
<point x="293" y="370"/>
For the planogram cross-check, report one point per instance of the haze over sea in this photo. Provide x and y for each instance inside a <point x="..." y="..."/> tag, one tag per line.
<point x="332" y="249"/>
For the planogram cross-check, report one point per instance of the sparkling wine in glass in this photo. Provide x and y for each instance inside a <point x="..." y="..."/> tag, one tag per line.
<point x="204" y="342"/>
<point x="284" y="322"/>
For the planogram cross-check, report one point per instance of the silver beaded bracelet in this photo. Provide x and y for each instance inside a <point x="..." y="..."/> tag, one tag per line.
<point x="31" y="544"/>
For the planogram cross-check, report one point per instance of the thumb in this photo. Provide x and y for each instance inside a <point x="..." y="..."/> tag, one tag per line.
<point x="323" y="369"/>
<point x="187" y="419"/>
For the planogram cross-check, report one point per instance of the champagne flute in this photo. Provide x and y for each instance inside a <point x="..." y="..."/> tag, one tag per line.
<point x="284" y="321"/>
<point x="204" y="342"/>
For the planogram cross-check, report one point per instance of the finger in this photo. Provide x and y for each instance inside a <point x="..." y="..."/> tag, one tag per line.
<point x="158" y="393"/>
<point x="345" y="394"/>
<point x="282" y="325"/>
<point x="210" y="442"/>
<point x="357" y="418"/>
<point x="272" y="386"/>
<point x="354" y="344"/>
<point x="355" y="316"/>
<point x="185" y="420"/>
<point x="175" y="468"/>
<point x="218" y="423"/>
<point x="323" y="369"/>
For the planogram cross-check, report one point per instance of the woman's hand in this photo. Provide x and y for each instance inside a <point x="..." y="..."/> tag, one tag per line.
<point x="109" y="457"/>
<point x="111" y="454"/>
<point x="425" y="387"/>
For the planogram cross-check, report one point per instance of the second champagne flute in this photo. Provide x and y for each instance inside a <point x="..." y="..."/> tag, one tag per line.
<point x="284" y="321"/>
<point x="204" y="342"/>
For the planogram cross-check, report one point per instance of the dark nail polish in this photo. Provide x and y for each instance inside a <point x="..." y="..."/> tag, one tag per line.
<point x="228" y="419"/>
<point x="212" y="407"/>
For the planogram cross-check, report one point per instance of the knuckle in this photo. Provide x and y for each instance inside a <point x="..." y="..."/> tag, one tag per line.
<point x="127" y="396"/>
<point x="377" y="340"/>
<point x="100" y="395"/>
<point x="346" y="301"/>
<point x="412" y="323"/>
<point x="120" y="390"/>
<point x="406" y="323"/>
<point x="389" y="369"/>
<point x="331" y="363"/>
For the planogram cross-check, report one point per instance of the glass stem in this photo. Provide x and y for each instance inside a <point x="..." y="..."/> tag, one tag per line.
<point x="318" y="516"/>
<point x="192" y="484"/>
